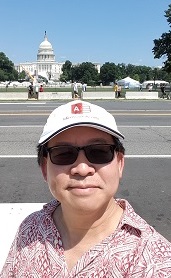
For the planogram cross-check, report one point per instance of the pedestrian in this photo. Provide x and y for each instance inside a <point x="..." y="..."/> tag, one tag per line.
<point x="119" y="90"/>
<point x="36" y="90"/>
<point x="84" y="89"/>
<point x="150" y="87"/>
<point x="140" y="87"/>
<point x="41" y="88"/>
<point x="162" y="88"/>
<point x="116" y="90"/>
<point x="85" y="231"/>
<point x="30" y="90"/>
<point x="75" y="88"/>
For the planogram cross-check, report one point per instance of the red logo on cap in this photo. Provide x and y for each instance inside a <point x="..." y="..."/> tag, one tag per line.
<point x="77" y="108"/>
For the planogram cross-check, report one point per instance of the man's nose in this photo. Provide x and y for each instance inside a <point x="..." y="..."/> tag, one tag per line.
<point x="82" y="166"/>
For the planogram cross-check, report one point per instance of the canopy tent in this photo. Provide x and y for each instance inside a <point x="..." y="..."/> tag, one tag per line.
<point x="128" y="82"/>
<point x="154" y="82"/>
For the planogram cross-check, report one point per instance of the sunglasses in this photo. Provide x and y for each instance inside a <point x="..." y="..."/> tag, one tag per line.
<point x="96" y="153"/>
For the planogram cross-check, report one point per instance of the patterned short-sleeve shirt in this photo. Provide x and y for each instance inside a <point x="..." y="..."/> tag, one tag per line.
<point x="134" y="250"/>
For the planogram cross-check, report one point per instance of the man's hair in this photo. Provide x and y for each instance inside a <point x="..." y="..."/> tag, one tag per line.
<point x="42" y="150"/>
<point x="41" y="153"/>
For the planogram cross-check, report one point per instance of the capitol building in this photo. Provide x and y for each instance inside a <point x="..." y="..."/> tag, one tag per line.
<point x="45" y="66"/>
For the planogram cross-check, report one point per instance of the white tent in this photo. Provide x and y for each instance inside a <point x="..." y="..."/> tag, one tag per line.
<point x="128" y="82"/>
<point x="156" y="82"/>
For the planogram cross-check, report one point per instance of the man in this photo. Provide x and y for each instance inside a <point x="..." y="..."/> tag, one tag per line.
<point x="162" y="88"/>
<point x="85" y="231"/>
<point x="116" y="90"/>
<point x="119" y="90"/>
<point x="75" y="88"/>
<point x="30" y="89"/>
<point x="84" y="89"/>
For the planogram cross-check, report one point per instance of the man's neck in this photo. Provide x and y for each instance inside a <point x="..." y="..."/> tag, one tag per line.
<point x="78" y="227"/>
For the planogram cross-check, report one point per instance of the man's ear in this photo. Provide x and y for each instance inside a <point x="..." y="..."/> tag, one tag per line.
<point x="121" y="162"/>
<point x="43" y="167"/>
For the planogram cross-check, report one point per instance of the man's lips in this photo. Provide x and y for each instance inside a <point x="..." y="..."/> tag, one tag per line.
<point x="83" y="186"/>
<point x="83" y="189"/>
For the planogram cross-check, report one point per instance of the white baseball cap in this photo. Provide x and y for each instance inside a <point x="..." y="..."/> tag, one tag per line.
<point x="78" y="113"/>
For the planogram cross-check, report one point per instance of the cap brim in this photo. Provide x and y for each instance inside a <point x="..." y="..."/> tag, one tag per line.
<point x="114" y="133"/>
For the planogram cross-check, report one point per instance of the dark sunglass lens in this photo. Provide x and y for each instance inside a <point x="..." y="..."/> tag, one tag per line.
<point x="63" y="155"/>
<point x="99" y="154"/>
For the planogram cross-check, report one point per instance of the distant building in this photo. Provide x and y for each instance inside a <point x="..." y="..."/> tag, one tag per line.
<point x="45" y="65"/>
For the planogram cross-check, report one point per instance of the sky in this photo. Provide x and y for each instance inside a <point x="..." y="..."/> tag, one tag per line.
<point x="115" y="31"/>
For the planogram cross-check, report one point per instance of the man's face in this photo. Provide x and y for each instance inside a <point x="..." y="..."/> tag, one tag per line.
<point x="83" y="186"/>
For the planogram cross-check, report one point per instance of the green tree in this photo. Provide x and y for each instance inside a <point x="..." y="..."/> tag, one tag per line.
<point x="162" y="46"/>
<point x="121" y="71"/>
<point x="22" y="75"/>
<point x="130" y="70"/>
<point x="7" y="70"/>
<point x="66" y="72"/>
<point x="108" y="73"/>
<point x="85" y="73"/>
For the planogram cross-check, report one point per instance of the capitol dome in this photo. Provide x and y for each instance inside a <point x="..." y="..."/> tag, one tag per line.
<point x="45" y="51"/>
<point x="45" y="44"/>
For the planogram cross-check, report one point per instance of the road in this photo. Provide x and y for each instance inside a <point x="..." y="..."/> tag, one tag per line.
<point x="146" y="182"/>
